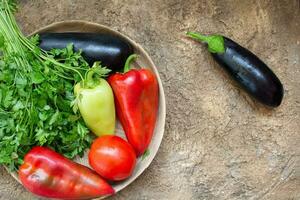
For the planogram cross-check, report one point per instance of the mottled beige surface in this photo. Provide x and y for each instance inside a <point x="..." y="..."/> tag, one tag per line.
<point x="219" y="143"/>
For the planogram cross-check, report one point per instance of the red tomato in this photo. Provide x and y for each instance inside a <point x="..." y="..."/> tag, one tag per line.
<point x="112" y="157"/>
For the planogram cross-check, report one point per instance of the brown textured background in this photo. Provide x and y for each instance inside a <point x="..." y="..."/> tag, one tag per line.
<point x="218" y="143"/>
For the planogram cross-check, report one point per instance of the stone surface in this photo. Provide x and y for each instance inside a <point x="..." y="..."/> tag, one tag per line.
<point x="219" y="143"/>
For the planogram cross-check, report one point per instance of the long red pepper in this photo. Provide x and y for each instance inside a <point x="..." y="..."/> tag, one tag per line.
<point x="49" y="174"/>
<point x="136" y="98"/>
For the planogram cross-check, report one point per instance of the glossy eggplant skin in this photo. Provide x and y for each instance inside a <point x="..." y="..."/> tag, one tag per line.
<point x="111" y="50"/>
<point x="251" y="73"/>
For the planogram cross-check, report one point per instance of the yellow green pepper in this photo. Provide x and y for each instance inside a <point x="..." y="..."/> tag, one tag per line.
<point x="95" y="101"/>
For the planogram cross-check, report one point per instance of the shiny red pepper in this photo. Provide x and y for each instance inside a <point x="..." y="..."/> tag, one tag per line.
<point x="49" y="174"/>
<point x="136" y="99"/>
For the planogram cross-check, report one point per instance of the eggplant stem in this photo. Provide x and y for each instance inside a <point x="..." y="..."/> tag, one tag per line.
<point x="198" y="36"/>
<point x="215" y="42"/>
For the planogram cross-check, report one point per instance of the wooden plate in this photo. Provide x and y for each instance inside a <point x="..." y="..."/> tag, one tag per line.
<point x="144" y="61"/>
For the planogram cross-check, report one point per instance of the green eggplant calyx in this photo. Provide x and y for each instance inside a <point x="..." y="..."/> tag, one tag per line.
<point x="215" y="42"/>
<point x="94" y="74"/>
<point x="128" y="62"/>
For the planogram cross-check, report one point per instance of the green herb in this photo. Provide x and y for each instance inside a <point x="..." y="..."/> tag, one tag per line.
<point x="36" y="91"/>
<point x="215" y="42"/>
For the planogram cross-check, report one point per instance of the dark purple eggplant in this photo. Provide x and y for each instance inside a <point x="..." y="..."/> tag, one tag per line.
<point x="251" y="73"/>
<point x="111" y="50"/>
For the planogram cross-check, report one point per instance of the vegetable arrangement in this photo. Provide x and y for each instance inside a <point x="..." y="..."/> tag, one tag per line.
<point x="55" y="90"/>
<point x="246" y="68"/>
<point x="50" y="100"/>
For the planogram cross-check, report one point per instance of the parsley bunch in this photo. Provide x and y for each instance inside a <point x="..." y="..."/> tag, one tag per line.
<point x="36" y="93"/>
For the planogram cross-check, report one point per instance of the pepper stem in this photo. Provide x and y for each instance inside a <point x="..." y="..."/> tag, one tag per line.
<point x="215" y="42"/>
<point x="94" y="74"/>
<point x="90" y="79"/>
<point x="128" y="62"/>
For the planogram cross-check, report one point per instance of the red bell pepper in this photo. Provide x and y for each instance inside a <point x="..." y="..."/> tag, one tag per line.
<point x="49" y="174"/>
<point x="136" y="99"/>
